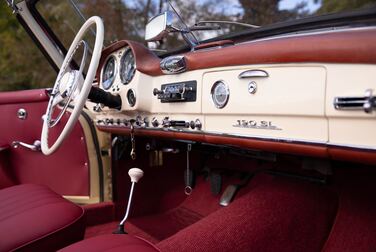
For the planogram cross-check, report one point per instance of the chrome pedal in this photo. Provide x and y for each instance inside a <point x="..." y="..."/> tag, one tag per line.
<point x="228" y="195"/>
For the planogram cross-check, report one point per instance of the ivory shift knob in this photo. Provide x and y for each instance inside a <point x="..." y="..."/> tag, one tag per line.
<point x="135" y="174"/>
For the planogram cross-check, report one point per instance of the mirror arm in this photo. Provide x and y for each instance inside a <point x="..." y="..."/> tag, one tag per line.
<point x="191" y="43"/>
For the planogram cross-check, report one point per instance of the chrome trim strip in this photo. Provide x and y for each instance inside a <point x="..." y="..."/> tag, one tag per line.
<point x="255" y="137"/>
<point x="352" y="146"/>
<point x="265" y="138"/>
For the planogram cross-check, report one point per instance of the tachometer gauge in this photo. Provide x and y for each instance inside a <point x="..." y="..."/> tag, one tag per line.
<point x="220" y="94"/>
<point x="127" y="66"/>
<point x="109" y="72"/>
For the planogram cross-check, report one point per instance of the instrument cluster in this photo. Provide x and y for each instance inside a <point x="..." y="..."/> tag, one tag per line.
<point x="121" y="65"/>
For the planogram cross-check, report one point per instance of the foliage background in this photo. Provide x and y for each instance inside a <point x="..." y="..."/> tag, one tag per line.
<point x="22" y="65"/>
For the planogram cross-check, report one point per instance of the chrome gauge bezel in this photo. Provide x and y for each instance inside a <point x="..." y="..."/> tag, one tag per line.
<point x="214" y="93"/>
<point x="127" y="51"/>
<point x="135" y="97"/>
<point x="107" y="84"/>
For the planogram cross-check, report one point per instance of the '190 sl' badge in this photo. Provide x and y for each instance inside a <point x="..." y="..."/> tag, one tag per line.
<point x="253" y="124"/>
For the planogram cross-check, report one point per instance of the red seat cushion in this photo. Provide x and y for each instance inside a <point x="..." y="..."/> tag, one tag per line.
<point x="112" y="243"/>
<point x="33" y="217"/>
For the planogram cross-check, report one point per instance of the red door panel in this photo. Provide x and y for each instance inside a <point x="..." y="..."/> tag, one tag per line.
<point x="66" y="171"/>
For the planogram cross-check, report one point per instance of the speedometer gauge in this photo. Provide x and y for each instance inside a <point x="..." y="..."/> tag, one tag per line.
<point x="109" y="72"/>
<point x="127" y="66"/>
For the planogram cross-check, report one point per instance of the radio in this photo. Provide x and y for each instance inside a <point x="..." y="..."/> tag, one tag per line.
<point x="177" y="92"/>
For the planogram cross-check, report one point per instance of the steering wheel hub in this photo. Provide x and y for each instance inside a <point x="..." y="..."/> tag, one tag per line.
<point x="67" y="83"/>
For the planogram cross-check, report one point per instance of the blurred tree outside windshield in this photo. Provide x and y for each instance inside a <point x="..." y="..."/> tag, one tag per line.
<point x="22" y="65"/>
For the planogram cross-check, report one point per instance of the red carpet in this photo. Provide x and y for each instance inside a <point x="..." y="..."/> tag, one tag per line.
<point x="276" y="215"/>
<point x="355" y="226"/>
<point x="270" y="214"/>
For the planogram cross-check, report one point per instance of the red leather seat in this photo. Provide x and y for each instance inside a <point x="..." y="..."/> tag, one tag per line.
<point x="112" y="243"/>
<point x="34" y="218"/>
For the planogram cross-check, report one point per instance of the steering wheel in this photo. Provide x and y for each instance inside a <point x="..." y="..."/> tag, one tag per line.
<point x="70" y="85"/>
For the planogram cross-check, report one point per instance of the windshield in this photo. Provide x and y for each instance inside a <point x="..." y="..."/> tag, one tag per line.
<point x="127" y="19"/>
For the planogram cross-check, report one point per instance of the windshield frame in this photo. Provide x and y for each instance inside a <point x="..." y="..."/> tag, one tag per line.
<point x="350" y="19"/>
<point x="363" y="17"/>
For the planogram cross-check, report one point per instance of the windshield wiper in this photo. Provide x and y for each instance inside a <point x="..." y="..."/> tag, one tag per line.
<point x="202" y="23"/>
<point x="79" y="13"/>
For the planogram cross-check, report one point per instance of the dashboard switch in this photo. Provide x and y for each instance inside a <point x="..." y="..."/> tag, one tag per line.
<point x="139" y="121"/>
<point x="109" y="121"/>
<point x="125" y="122"/>
<point x="166" y="122"/>
<point x="154" y="122"/>
<point x="198" y="124"/>
<point x="195" y="124"/>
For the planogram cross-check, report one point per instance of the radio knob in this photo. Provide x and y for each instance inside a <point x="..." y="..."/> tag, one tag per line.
<point x="156" y="91"/>
<point x="155" y="122"/>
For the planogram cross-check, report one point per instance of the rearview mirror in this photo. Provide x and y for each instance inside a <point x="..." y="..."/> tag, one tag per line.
<point x="159" y="26"/>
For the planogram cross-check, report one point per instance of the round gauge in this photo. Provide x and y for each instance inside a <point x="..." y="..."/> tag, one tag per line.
<point x="220" y="94"/>
<point x="127" y="66"/>
<point x="109" y="72"/>
<point x="131" y="97"/>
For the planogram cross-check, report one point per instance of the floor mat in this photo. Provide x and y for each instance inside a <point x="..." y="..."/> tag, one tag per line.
<point x="109" y="227"/>
<point x="277" y="215"/>
<point x="157" y="227"/>
<point x="153" y="228"/>
<point x="161" y="226"/>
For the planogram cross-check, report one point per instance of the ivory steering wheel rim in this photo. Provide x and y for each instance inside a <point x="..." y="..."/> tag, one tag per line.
<point x="81" y="97"/>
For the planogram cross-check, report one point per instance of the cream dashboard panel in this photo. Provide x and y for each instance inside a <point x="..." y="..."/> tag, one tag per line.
<point x="287" y="104"/>
<point x="351" y="127"/>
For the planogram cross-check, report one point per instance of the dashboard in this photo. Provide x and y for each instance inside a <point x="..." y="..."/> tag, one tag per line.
<point x="274" y="95"/>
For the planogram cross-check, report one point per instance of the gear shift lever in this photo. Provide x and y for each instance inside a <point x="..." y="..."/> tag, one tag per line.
<point x="135" y="174"/>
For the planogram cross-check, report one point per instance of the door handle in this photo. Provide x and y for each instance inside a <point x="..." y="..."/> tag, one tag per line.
<point x="33" y="147"/>
<point x="255" y="73"/>
<point x="366" y="103"/>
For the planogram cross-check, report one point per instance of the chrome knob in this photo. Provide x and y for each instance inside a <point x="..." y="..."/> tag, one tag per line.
<point x="198" y="124"/>
<point x="109" y="121"/>
<point x="125" y="122"/>
<point x="146" y="122"/>
<point x="139" y="121"/>
<point x="156" y="91"/>
<point x="166" y="122"/>
<point x="154" y="122"/>
<point x="195" y="124"/>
